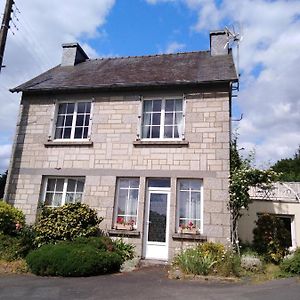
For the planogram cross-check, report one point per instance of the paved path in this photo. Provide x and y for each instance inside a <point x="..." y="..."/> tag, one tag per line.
<point x="146" y="283"/>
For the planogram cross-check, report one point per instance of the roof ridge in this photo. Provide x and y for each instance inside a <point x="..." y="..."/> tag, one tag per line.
<point x="144" y="56"/>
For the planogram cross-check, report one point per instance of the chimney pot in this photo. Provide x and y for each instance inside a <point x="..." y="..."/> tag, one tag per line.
<point x="72" y="54"/>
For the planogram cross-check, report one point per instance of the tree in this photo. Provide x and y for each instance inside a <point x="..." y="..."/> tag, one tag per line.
<point x="2" y="184"/>
<point x="289" y="167"/>
<point x="242" y="177"/>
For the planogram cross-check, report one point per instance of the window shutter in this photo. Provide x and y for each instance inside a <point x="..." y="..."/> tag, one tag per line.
<point x="52" y="121"/>
<point x="139" y="125"/>
<point x="91" y="119"/>
<point x="183" y="116"/>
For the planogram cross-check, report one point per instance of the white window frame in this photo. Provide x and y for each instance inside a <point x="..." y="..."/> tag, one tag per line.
<point x="64" y="193"/>
<point x="178" y="203"/>
<point x="116" y="215"/>
<point x="55" y="116"/>
<point x="162" y="118"/>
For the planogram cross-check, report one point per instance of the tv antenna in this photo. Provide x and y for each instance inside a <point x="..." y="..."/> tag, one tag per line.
<point x="234" y="37"/>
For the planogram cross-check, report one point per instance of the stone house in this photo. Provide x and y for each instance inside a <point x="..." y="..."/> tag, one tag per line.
<point x="143" y="140"/>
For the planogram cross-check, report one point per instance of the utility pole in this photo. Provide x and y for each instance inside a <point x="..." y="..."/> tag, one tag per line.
<point x="4" y="28"/>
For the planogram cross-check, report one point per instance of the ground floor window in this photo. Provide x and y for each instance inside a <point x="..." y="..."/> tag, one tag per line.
<point x="126" y="203"/>
<point x="62" y="190"/>
<point x="189" y="203"/>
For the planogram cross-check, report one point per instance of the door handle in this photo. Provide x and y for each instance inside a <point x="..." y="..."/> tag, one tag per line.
<point x="149" y="222"/>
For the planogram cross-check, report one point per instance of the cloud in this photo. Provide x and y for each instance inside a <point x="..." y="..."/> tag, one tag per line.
<point x="4" y="157"/>
<point x="269" y="63"/>
<point x="174" y="47"/>
<point x="42" y="27"/>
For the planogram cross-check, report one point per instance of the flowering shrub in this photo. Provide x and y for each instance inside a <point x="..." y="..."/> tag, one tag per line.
<point x="11" y="219"/>
<point x="291" y="264"/>
<point x="208" y="258"/>
<point x="66" y="223"/>
<point x="190" y="225"/>
<point x="121" y="220"/>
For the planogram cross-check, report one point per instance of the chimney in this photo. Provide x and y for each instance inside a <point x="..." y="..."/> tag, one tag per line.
<point x="72" y="54"/>
<point x="218" y="43"/>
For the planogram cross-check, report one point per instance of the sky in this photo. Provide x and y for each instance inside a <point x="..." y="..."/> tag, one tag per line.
<point x="269" y="55"/>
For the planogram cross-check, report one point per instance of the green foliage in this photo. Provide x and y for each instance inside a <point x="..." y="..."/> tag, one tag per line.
<point x="17" y="246"/>
<point x="66" y="222"/>
<point x="125" y="250"/>
<point x="3" y="178"/>
<point x="10" y="219"/>
<point x="289" y="168"/>
<point x="102" y="243"/>
<point x="291" y="264"/>
<point x="270" y="238"/>
<point x="208" y="258"/>
<point x="242" y="177"/>
<point x="72" y="259"/>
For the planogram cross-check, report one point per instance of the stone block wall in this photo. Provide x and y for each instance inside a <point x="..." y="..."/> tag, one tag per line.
<point x="113" y="154"/>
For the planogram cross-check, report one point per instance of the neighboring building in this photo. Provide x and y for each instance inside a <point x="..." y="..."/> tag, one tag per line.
<point x="143" y="140"/>
<point x="283" y="201"/>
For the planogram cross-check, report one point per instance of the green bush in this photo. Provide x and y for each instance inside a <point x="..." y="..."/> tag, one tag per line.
<point x="208" y="258"/>
<point x="66" y="223"/>
<point x="125" y="250"/>
<point x="10" y="218"/>
<point x="9" y="247"/>
<point x="72" y="259"/>
<point x="270" y="238"/>
<point x="103" y="243"/>
<point x="291" y="264"/>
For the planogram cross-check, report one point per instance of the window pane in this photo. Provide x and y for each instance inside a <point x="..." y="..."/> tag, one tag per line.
<point x="88" y="107"/>
<point x="195" y="184"/>
<point x="69" y="120"/>
<point x="168" y="132"/>
<point x="156" y="119"/>
<point x="169" y="119"/>
<point x="132" y="205"/>
<point x="184" y="184"/>
<point x="57" y="199"/>
<point x="67" y="133"/>
<point x="85" y="132"/>
<point x="87" y="120"/>
<point x="169" y="105"/>
<point x="51" y="185"/>
<point x="155" y="132"/>
<point x="123" y="183"/>
<point x="81" y="107"/>
<point x="70" y="108"/>
<point x="80" y="185"/>
<point x="69" y="198"/>
<point x="62" y="108"/>
<point x="48" y="199"/>
<point x="123" y="194"/>
<point x="183" y="204"/>
<point x="178" y="105"/>
<point x="79" y="120"/>
<point x="147" y="106"/>
<point x="71" y="185"/>
<point x="78" y="198"/>
<point x="58" y="133"/>
<point x="60" y="121"/>
<point x="78" y="133"/>
<point x="59" y="185"/>
<point x="156" y="105"/>
<point x="159" y="182"/>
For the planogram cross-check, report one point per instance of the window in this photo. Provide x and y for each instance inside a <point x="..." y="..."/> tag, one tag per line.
<point x="127" y="201"/>
<point x="189" y="202"/>
<point x="60" y="191"/>
<point x="162" y="119"/>
<point x="72" y="120"/>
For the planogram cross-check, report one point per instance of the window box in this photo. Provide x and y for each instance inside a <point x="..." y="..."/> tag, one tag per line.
<point x="188" y="230"/>
<point x="123" y="226"/>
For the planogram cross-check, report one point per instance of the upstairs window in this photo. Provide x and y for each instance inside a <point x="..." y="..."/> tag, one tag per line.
<point x="73" y="120"/>
<point x="60" y="191"/>
<point x="162" y="119"/>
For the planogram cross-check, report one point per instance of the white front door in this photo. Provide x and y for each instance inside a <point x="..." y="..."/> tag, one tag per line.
<point x="157" y="225"/>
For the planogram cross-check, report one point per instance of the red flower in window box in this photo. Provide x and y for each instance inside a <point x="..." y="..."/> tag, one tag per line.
<point x="121" y="224"/>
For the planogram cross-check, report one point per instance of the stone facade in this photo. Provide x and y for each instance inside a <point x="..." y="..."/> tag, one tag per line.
<point x="113" y="152"/>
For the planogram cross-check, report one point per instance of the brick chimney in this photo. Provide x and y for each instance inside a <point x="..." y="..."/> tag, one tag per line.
<point x="218" y="43"/>
<point x="72" y="54"/>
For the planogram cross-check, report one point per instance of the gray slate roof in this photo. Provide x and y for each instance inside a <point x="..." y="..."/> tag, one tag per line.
<point x="136" y="71"/>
